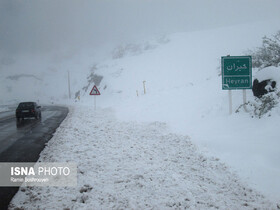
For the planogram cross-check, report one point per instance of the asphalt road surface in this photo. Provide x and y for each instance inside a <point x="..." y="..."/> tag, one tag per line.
<point x="23" y="141"/>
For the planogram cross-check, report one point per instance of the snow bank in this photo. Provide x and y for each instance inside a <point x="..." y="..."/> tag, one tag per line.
<point x="135" y="165"/>
<point x="271" y="72"/>
<point x="4" y="109"/>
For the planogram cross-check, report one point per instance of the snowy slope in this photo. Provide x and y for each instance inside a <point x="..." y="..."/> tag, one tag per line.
<point x="183" y="90"/>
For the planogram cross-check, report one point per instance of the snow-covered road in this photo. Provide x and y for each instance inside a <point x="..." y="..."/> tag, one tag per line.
<point x="132" y="165"/>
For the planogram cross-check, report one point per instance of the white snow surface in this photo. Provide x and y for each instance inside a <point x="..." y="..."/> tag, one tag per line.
<point x="132" y="165"/>
<point x="3" y="109"/>
<point x="183" y="93"/>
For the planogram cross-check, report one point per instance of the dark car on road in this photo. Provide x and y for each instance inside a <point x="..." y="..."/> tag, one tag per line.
<point x="27" y="110"/>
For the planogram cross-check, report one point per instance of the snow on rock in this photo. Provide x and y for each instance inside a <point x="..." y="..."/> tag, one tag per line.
<point x="132" y="165"/>
<point x="271" y="72"/>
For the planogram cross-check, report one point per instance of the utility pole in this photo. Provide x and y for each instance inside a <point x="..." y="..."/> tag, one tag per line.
<point x="69" y="91"/>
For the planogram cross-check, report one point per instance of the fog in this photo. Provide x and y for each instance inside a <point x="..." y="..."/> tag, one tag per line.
<point x="43" y="26"/>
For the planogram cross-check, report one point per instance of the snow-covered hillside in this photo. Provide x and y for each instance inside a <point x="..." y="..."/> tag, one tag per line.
<point x="183" y="89"/>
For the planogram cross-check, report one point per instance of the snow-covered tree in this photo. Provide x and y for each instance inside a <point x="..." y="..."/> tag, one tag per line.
<point x="269" y="53"/>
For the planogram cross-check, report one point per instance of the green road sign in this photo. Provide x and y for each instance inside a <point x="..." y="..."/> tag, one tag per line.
<point x="236" y="72"/>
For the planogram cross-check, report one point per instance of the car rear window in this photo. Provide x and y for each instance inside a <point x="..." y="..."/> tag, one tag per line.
<point x="25" y="105"/>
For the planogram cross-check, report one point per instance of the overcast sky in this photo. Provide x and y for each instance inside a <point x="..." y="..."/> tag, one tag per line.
<point x="44" y="25"/>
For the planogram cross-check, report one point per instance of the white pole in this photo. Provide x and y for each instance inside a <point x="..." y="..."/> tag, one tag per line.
<point x="244" y="100"/>
<point x="69" y="92"/>
<point x="230" y="101"/>
<point x="94" y="102"/>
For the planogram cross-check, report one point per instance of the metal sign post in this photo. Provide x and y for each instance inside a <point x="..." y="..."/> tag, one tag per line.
<point x="244" y="100"/>
<point x="144" y="87"/>
<point x="94" y="91"/>
<point x="230" y="101"/>
<point x="94" y="102"/>
<point x="236" y="74"/>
